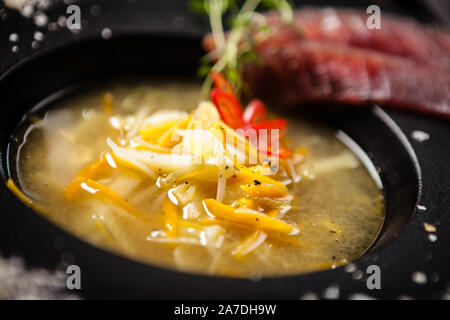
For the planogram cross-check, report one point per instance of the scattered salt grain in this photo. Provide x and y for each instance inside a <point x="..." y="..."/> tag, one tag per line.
<point x="419" y="277"/>
<point x="27" y="11"/>
<point x="62" y="21"/>
<point x="38" y="36"/>
<point x="358" y="275"/>
<point x="420" y="136"/>
<point x="14" y="37"/>
<point x="332" y="292"/>
<point x="106" y="33"/>
<point x="40" y="19"/>
<point x="351" y="267"/>
<point x="432" y="237"/>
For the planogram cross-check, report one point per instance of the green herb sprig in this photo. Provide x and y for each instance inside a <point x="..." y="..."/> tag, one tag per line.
<point x="230" y="50"/>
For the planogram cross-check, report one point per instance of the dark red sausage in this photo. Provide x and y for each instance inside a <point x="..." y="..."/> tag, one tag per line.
<point x="397" y="36"/>
<point x="330" y="55"/>
<point x="311" y="71"/>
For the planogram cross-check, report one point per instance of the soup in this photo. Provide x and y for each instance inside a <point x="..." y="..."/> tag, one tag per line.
<point x="142" y="171"/>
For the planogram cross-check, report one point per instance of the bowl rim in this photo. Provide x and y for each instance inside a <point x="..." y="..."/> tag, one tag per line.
<point x="330" y="274"/>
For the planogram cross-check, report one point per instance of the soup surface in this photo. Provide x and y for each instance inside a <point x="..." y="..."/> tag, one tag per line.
<point x="329" y="214"/>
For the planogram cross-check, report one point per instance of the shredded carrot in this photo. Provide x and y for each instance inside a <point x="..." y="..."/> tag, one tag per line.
<point x="226" y="224"/>
<point x="248" y="217"/>
<point x="278" y="239"/>
<point x="171" y="218"/>
<point x="112" y="196"/>
<point x="93" y="171"/>
<point x="273" y="213"/>
<point x="248" y="203"/>
<point x="264" y="190"/>
<point x="246" y="175"/>
<point x="187" y="224"/>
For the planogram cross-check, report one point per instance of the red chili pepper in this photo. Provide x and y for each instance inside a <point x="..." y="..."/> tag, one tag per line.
<point x="229" y="108"/>
<point x="283" y="152"/>
<point x="280" y="124"/>
<point x="255" y="112"/>
<point x="220" y="82"/>
<point x="254" y="116"/>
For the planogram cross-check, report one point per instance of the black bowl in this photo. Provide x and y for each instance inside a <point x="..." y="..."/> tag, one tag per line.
<point x="24" y="232"/>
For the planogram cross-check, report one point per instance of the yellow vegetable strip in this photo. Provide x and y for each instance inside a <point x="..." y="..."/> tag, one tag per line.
<point x="139" y="144"/>
<point x="276" y="238"/>
<point x="152" y="133"/>
<point x="264" y="190"/>
<point x="127" y="158"/>
<point x="107" y="193"/>
<point x="246" y="175"/>
<point x="166" y="140"/>
<point x="187" y="224"/>
<point x="251" y="243"/>
<point x="152" y="161"/>
<point x="248" y="217"/>
<point x="171" y="218"/>
<point x="236" y="140"/>
<point x="248" y="203"/>
<point x="273" y="213"/>
<point x="93" y="171"/>
<point x="226" y="224"/>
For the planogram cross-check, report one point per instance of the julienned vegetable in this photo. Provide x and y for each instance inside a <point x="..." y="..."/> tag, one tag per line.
<point x="179" y="152"/>
<point x="180" y="188"/>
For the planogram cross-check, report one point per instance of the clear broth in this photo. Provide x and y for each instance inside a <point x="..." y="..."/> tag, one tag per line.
<point x="340" y="209"/>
